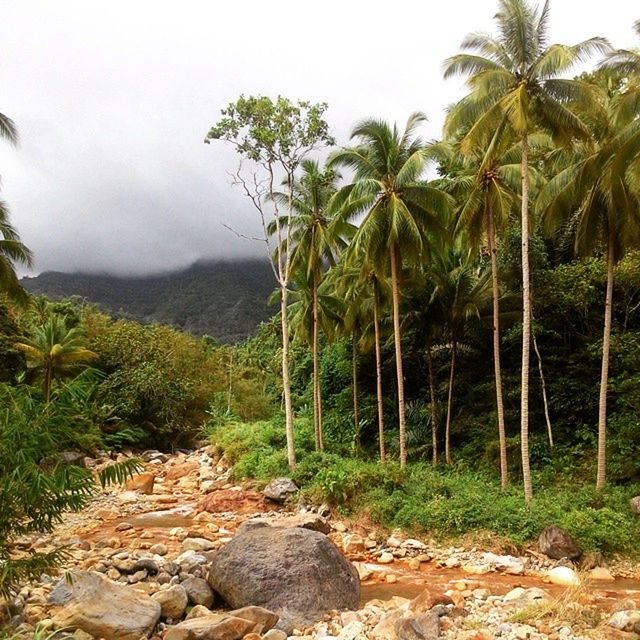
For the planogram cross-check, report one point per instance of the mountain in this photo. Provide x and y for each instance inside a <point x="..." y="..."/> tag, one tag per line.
<point x="226" y="299"/>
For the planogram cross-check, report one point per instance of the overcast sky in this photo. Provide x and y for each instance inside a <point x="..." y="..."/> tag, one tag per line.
<point x="113" y="100"/>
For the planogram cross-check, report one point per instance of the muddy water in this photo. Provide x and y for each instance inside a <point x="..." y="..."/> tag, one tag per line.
<point x="411" y="583"/>
<point x="162" y="519"/>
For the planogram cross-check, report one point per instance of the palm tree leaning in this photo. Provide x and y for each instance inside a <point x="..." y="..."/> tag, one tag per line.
<point x="401" y="210"/>
<point x="55" y="351"/>
<point x="594" y="199"/>
<point x="514" y="81"/>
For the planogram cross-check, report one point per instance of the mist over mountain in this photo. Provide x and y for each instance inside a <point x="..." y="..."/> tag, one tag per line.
<point x="224" y="299"/>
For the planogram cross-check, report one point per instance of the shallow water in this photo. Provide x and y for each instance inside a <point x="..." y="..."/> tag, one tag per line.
<point x="162" y="519"/>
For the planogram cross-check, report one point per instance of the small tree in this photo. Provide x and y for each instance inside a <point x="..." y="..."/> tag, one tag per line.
<point x="274" y="137"/>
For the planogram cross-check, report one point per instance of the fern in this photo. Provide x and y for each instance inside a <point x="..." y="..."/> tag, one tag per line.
<point x="119" y="472"/>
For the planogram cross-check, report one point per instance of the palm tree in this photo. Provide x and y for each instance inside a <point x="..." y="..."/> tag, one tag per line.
<point x="8" y="129"/>
<point x="12" y="252"/>
<point x="462" y="289"/>
<point x="401" y="210"/>
<point x="54" y="351"/>
<point x="515" y="81"/>
<point x="315" y="241"/>
<point x="595" y="198"/>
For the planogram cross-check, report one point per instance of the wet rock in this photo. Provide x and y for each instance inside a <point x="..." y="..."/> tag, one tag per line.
<point x="425" y="626"/>
<point x="103" y="608"/>
<point x="296" y="573"/>
<point x="563" y="576"/>
<point x="279" y="489"/>
<point x="142" y="482"/>
<point x="198" y="591"/>
<point x="173" y="601"/>
<point x="556" y="543"/>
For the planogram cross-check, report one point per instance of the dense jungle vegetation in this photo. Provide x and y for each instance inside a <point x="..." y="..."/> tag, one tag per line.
<point x="442" y="343"/>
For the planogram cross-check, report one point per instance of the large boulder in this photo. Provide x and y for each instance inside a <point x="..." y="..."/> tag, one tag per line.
<point x="298" y="574"/>
<point x="103" y="608"/>
<point x="557" y="544"/>
<point x="279" y="489"/>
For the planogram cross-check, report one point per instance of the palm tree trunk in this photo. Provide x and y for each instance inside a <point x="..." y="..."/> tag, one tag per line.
<point x="354" y="373"/>
<point x="47" y="380"/>
<point x="447" y="435"/>
<point x="376" y="327"/>
<point x="396" y="338"/>
<point x="434" y="410"/>
<point x="317" y="415"/>
<point x="526" y="325"/>
<point x="286" y="381"/>
<point x="601" y="477"/>
<point x="504" y="474"/>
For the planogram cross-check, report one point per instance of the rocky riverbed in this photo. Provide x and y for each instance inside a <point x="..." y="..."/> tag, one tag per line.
<point x="151" y="559"/>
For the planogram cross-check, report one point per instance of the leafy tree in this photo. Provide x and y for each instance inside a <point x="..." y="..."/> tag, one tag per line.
<point x="275" y="137"/>
<point x="401" y="210"/>
<point x="515" y="81"/>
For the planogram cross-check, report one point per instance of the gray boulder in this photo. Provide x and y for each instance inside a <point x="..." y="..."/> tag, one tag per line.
<point x="298" y="574"/>
<point x="279" y="489"/>
<point x="198" y="591"/>
<point x="103" y="608"/>
<point x="556" y="543"/>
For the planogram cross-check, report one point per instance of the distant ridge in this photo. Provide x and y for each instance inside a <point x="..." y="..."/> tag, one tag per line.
<point x="224" y="299"/>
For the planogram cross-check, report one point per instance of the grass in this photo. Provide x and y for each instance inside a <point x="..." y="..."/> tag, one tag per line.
<point x="445" y="503"/>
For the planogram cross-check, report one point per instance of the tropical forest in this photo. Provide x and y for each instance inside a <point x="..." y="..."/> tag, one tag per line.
<point x="425" y="424"/>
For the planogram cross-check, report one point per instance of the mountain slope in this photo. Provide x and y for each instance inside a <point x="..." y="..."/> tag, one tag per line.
<point x="226" y="300"/>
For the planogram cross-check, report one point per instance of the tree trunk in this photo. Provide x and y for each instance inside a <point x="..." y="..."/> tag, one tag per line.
<point x="230" y="385"/>
<point x="376" y="327"/>
<point x="504" y="473"/>
<point x="286" y="382"/>
<point x="398" y="345"/>
<point x="601" y="477"/>
<point x="526" y="325"/>
<point x="317" y="408"/>
<point x="543" y="385"/>
<point x="434" y="410"/>
<point x="447" y="434"/>
<point x="354" y="365"/>
<point x="48" y="379"/>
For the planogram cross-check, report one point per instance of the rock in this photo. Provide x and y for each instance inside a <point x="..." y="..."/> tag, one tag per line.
<point x="556" y="543"/>
<point x="211" y="627"/>
<point x="635" y="505"/>
<point x="425" y="626"/>
<point x="280" y="489"/>
<point x="145" y="564"/>
<point x="625" y="620"/>
<point x="173" y="601"/>
<point x="75" y="458"/>
<point x="274" y="634"/>
<point x="198" y="591"/>
<point x="521" y="597"/>
<point x="197" y="544"/>
<point x="311" y="521"/>
<point x="179" y="471"/>
<point x="103" y="608"/>
<point x="123" y="526"/>
<point x="142" y="482"/>
<point x="198" y="611"/>
<point x="385" y="558"/>
<point x="159" y="549"/>
<point x="385" y="629"/>
<point x="296" y="573"/>
<point x="263" y="618"/>
<point x="563" y="576"/>
<point x="352" y="631"/>
<point x="602" y="574"/>
<point x="427" y="600"/>
<point x="352" y="544"/>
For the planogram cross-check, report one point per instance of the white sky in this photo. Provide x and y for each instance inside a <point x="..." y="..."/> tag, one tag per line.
<point x="113" y="100"/>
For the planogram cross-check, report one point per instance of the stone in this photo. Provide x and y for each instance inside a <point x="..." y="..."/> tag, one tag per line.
<point x="427" y="600"/>
<point x="625" y="620"/>
<point x="159" y="549"/>
<point x="263" y="618"/>
<point x="197" y="544"/>
<point x="563" y="576"/>
<point x="556" y="543"/>
<point x="521" y="597"/>
<point x="142" y="483"/>
<point x="355" y="629"/>
<point x="385" y="558"/>
<point x="173" y="601"/>
<point x="74" y="458"/>
<point x="103" y="608"/>
<point x="352" y="544"/>
<point x="211" y="627"/>
<point x="601" y="574"/>
<point x="123" y="526"/>
<point x="145" y="564"/>
<point x="182" y="470"/>
<point x="279" y="489"/>
<point x="296" y="573"/>
<point x="385" y="629"/>
<point x="635" y="505"/>
<point x="274" y="634"/>
<point x="311" y="521"/>
<point x="425" y="626"/>
<point x="198" y="611"/>
<point x="198" y="591"/>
